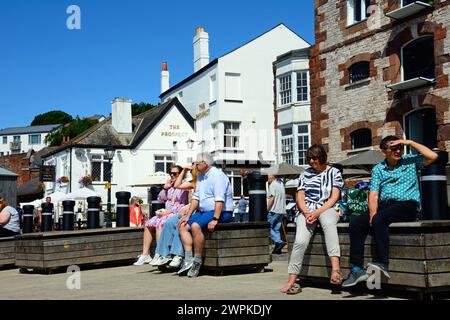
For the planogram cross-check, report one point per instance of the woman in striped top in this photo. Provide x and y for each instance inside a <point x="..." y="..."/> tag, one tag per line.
<point x="318" y="190"/>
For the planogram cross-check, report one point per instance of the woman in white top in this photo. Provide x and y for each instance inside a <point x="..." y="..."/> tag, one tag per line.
<point x="9" y="220"/>
<point x="318" y="190"/>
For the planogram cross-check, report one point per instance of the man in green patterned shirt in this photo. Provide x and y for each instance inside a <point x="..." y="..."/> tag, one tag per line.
<point x="394" y="197"/>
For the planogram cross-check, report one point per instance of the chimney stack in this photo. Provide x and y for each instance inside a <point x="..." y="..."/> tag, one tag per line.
<point x="121" y="115"/>
<point x="165" y="83"/>
<point x="201" y="49"/>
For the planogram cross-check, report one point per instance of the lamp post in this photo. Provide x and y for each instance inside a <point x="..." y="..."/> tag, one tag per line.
<point x="190" y="143"/>
<point x="109" y="155"/>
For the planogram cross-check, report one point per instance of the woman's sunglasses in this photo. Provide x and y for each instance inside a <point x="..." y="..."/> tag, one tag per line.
<point x="174" y="173"/>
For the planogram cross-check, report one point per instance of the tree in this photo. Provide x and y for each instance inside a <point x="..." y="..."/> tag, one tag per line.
<point x="52" y="117"/>
<point x="141" y="107"/>
<point x="72" y="130"/>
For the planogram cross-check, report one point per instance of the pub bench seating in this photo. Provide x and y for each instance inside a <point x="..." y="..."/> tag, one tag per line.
<point x="419" y="255"/>
<point x="7" y="252"/>
<point x="230" y="246"/>
<point x="47" y="251"/>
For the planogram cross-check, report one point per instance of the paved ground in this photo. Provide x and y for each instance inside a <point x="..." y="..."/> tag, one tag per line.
<point x="146" y="282"/>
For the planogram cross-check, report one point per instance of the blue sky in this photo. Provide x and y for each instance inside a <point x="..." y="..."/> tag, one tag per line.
<point x="119" y="50"/>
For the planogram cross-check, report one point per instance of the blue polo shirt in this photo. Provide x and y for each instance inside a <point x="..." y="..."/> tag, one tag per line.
<point x="399" y="183"/>
<point x="211" y="187"/>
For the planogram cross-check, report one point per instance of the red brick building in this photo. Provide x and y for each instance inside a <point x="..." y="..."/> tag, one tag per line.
<point x="19" y="164"/>
<point x="380" y="67"/>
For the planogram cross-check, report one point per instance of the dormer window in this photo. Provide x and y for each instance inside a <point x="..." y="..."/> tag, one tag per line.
<point x="418" y="59"/>
<point x="357" y="11"/>
<point x="361" y="138"/>
<point x="359" y="71"/>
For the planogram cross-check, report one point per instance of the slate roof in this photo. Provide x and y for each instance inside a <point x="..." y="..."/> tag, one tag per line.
<point x="29" y="129"/>
<point x="103" y="134"/>
<point x="7" y="173"/>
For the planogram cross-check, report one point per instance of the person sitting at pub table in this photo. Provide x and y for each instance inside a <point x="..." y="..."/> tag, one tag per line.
<point x="318" y="191"/>
<point x="394" y="197"/>
<point x="276" y="207"/>
<point x="213" y="200"/>
<point x="9" y="220"/>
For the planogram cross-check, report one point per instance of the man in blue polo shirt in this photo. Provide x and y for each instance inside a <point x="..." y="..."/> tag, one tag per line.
<point x="212" y="202"/>
<point x="394" y="197"/>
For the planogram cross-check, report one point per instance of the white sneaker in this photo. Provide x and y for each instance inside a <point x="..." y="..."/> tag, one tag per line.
<point x="176" y="262"/>
<point x="155" y="258"/>
<point x="162" y="261"/>
<point x="143" y="259"/>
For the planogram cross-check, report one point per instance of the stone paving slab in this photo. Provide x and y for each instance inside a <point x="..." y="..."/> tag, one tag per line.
<point x="147" y="283"/>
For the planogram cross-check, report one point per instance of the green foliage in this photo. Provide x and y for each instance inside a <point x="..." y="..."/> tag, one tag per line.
<point x="72" y="130"/>
<point x="140" y="108"/>
<point x="52" y="117"/>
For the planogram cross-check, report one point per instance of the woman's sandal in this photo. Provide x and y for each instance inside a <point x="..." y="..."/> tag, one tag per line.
<point x="294" y="289"/>
<point x="336" y="277"/>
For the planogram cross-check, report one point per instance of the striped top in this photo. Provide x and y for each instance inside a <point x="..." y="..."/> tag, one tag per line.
<point x="319" y="186"/>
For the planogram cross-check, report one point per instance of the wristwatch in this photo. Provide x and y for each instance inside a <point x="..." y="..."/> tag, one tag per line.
<point x="215" y="219"/>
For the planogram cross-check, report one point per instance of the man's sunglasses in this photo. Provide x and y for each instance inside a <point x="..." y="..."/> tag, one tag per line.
<point x="396" y="148"/>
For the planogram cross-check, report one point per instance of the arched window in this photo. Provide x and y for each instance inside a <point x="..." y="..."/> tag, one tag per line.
<point x="420" y="126"/>
<point x="361" y="138"/>
<point x="418" y="59"/>
<point x="359" y="71"/>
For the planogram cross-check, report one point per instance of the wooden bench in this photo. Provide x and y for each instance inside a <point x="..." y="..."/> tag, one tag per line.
<point x="419" y="255"/>
<point x="7" y="252"/>
<point x="238" y="246"/>
<point x="47" y="251"/>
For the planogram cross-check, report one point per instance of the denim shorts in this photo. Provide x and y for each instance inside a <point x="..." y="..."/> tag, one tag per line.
<point x="203" y="218"/>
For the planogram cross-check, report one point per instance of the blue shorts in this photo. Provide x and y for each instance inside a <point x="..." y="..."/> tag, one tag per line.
<point x="203" y="218"/>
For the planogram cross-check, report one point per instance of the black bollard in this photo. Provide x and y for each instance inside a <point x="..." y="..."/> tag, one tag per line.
<point x="434" y="189"/>
<point x="123" y="209"/>
<point x="68" y="215"/>
<point x="257" y="196"/>
<point x="155" y="204"/>
<point x="27" y="219"/>
<point x="93" y="218"/>
<point x="47" y="217"/>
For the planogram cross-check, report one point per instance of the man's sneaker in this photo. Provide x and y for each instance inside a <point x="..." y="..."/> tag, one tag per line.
<point x="187" y="264"/>
<point x="176" y="262"/>
<point x="355" y="277"/>
<point x="162" y="261"/>
<point x="154" y="260"/>
<point x="143" y="259"/>
<point x="195" y="269"/>
<point x="380" y="267"/>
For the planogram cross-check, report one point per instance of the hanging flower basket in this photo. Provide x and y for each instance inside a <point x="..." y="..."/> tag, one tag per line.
<point x="63" y="179"/>
<point x="85" y="181"/>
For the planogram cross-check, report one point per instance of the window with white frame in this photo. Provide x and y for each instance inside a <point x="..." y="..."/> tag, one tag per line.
<point x="302" y="143"/>
<point x="287" y="145"/>
<point x="5" y="140"/>
<point x="101" y="169"/>
<point x="285" y="90"/>
<point x="233" y="90"/>
<point x="236" y="183"/>
<point x="302" y="86"/>
<point x="163" y="163"/>
<point x="34" y="139"/>
<point x="231" y="135"/>
<point x="16" y="139"/>
<point x="357" y="11"/>
<point x="2" y="154"/>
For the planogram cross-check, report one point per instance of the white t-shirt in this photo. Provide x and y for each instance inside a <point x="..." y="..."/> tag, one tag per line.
<point x="13" y="223"/>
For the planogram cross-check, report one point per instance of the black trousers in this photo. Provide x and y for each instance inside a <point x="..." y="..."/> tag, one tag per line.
<point x="388" y="212"/>
<point x="7" y="233"/>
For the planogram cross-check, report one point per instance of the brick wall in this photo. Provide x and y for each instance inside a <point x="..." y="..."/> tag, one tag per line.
<point x="18" y="164"/>
<point x="338" y="108"/>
